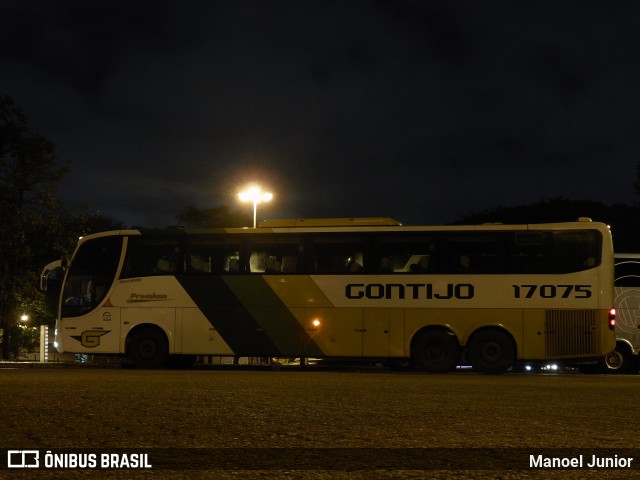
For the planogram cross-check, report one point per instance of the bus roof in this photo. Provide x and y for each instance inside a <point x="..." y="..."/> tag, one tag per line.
<point x="329" y="222"/>
<point x="370" y="224"/>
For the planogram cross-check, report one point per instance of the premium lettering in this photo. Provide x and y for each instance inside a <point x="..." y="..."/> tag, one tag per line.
<point x="146" y="297"/>
<point x="411" y="291"/>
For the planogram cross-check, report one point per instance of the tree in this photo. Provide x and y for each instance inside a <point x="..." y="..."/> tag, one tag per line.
<point x="29" y="174"/>
<point x="623" y="219"/>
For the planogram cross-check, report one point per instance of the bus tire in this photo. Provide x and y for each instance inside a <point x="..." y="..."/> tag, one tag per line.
<point x="435" y="351"/>
<point x="618" y="361"/>
<point x="148" y="349"/>
<point x="491" y="352"/>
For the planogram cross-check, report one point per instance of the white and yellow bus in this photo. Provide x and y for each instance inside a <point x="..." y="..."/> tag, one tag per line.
<point x="344" y="288"/>
<point x="624" y="359"/>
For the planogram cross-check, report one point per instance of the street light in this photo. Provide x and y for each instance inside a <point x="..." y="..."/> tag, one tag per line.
<point x="24" y="317"/>
<point x="255" y="195"/>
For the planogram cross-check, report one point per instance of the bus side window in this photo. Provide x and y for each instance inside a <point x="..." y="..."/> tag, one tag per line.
<point x="529" y="252"/>
<point x="386" y="265"/>
<point x="232" y="264"/>
<point x="152" y="257"/>
<point x="574" y="251"/>
<point x="275" y="255"/>
<point x="289" y="264"/>
<point x="405" y="253"/>
<point x="421" y="266"/>
<point x="199" y="263"/>
<point x="332" y="255"/>
<point x="475" y="253"/>
<point x="165" y="264"/>
<point x="212" y="254"/>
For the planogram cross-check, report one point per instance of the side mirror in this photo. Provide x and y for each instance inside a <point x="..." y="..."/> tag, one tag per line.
<point x="51" y="272"/>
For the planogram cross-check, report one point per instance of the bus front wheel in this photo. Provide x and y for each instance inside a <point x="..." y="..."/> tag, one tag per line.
<point x="491" y="352"/>
<point x="148" y="349"/>
<point x="435" y="352"/>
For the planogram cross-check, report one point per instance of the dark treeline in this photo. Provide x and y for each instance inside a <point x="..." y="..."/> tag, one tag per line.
<point x="624" y="220"/>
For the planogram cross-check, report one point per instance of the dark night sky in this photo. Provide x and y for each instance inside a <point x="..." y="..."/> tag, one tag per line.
<point x="419" y="110"/>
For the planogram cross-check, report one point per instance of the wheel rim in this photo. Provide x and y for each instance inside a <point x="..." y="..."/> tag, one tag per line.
<point x="147" y="349"/>
<point x="435" y="352"/>
<point x="614" y="360"/>
<point x="491" y="352"/>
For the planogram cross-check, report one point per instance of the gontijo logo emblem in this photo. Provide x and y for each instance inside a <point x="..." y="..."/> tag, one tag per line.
<point x="90" y="338"/>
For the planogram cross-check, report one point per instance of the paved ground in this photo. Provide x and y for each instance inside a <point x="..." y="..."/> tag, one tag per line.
<point x="319" y="422"/>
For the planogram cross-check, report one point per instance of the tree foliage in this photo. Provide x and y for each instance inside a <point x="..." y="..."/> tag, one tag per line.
<point x="623" y="219"/>
<point x="29" y="174"/>
<point x="35" y="227"/>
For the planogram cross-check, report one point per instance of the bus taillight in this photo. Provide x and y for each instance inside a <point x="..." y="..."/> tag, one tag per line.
<point x="612" y="319"/>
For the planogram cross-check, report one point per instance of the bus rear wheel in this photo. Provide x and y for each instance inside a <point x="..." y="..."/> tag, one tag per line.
<point x="435" y="351"/>
<point x="618" y="361"/>
<point x="491" y="352"/>
<point x="148" y="349"/>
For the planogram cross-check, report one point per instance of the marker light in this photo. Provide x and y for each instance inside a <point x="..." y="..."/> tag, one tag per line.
<point x="612" y="319"/>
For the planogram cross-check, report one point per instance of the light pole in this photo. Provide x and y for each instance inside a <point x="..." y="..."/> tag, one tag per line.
<point x="255" y="195"/>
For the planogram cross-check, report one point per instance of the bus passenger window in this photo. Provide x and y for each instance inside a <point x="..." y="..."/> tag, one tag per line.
<point x="211" y="253"/>
<point x="289" y="264"/>
<point x="274" y="256"/>
<point x="257" y="262"/>
<point x="199" y="263"/>
<point x="405" y="253"/>
<point x="353" y="266"/>
<point x="272" y="265"/>
<point x="386" y="265"/>
<point x="164" y="265"/>
<point x="232" y="265"/>
<point x="422" y="265"/>
<point x="575" y="251"/>
<point x="150" y="256"/>
<point x="529" y="252"/>
<point x="342" y="254"/>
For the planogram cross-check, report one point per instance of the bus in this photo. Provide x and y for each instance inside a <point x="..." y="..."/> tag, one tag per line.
<point x="624" y="359"/>
<point x="362" y="288"/>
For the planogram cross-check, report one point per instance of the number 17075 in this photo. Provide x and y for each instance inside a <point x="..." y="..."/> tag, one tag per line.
<point x="552" y="291"/>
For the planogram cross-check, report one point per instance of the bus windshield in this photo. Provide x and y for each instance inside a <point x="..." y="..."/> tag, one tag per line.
<point x="90" y="276"/>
